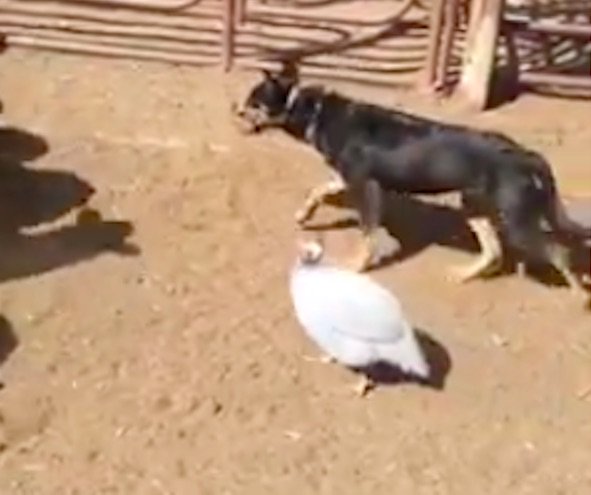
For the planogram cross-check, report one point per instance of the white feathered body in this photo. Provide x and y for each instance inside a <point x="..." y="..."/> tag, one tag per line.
<point x="353" y="319"/>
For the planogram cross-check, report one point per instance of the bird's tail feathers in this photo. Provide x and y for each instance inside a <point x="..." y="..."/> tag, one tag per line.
<point x="408" y="355"/>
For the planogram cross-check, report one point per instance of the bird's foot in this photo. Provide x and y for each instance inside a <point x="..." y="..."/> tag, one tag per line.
<point x="323" y="359"/>
<point x="363" y="386"/>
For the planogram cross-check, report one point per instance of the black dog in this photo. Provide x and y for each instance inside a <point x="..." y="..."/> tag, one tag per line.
<point x="504" y="187"/>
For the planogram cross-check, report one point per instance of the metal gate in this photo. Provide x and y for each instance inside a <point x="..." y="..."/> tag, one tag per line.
<point x="385" y="46"/>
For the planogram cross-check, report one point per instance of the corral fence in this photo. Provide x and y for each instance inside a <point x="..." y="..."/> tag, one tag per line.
<point x="378" y="42"/>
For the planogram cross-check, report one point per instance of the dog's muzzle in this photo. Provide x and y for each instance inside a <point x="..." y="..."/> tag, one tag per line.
<point x="248" y="120"/>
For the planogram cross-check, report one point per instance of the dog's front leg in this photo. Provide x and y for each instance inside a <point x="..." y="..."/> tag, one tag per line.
<point x="319" y="195"/>
<point x="369" y="198"/>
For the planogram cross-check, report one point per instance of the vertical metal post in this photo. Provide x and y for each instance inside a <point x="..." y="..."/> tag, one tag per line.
<point x="228" y="34"/>
<point x="479" y="57"/>
<point x="435" y="25"/>
<point x="450" y="18"/>
<point x="240" y="11"/>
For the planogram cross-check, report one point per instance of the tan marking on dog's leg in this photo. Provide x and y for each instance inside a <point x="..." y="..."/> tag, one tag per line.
<point x="364" y="258"/>
<point x="370" y="209"/>
<point x="317" y="196"/>
<point x="491" y="251"/>
<point x="559" y="256"/>
<point x="376" y="245"/>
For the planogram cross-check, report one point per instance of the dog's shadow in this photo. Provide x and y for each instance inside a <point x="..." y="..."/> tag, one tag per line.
<point x="415" y="223"/>
<point x="437" y="357"/>
<point x="30" y="198"/>
<point x="418" y="224"/>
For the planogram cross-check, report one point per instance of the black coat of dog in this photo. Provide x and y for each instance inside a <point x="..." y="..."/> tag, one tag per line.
<point x="504" y="187"/>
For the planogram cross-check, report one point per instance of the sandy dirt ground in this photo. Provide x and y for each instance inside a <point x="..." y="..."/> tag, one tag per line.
<point x="151" y="348"/>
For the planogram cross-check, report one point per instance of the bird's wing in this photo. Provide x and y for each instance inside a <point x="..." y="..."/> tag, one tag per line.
<point x="348" y="303"/>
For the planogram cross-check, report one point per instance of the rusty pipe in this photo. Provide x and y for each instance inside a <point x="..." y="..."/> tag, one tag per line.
<point x="434" y="43"/>
<point x="228" y="34"/>
<point x="165" y="5"/>
<point x="450" y="19"/>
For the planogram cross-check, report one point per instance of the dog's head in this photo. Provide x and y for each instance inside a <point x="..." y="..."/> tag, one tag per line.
<point x="266" y="104"/>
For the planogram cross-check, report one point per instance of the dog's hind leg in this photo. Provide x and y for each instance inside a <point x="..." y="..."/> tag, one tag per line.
<point x="369" y="199"/>
<point x="317" y="196"/>
<point x="524" y="232"/>
<point x="559" y="257"/>
<point x="491" y="251"/>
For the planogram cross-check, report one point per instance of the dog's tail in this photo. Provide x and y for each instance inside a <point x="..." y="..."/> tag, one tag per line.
<point x="555" y="211"/>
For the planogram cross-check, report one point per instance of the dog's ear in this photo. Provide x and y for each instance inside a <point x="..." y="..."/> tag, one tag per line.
<point x="289" y="74"/>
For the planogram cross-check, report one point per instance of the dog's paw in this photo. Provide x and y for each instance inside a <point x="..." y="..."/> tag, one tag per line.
<point x="360" y="263"/>
<point x="458" y="275"/>
<point x="386" y="246"/>
<point x="301" y="217"/>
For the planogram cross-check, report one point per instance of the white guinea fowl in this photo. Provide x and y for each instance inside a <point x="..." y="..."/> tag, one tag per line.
<point x="354" y="320"/>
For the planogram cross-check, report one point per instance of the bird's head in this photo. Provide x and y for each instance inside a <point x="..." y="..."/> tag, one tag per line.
<point x="310" y="252"/>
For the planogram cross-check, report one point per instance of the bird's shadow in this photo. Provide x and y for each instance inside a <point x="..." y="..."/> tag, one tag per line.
<point x="438" y="359"/>
<point x="30" y="198"/>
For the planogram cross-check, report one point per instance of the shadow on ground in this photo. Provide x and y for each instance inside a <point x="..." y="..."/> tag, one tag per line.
<point x="30" y="198"/>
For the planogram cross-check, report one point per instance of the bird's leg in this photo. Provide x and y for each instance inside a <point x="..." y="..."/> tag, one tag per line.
<point x="491" y="251"/>
<point x="317" y="196"/>
<point x="323" y="359"/>
<point x="363" y="386"/>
